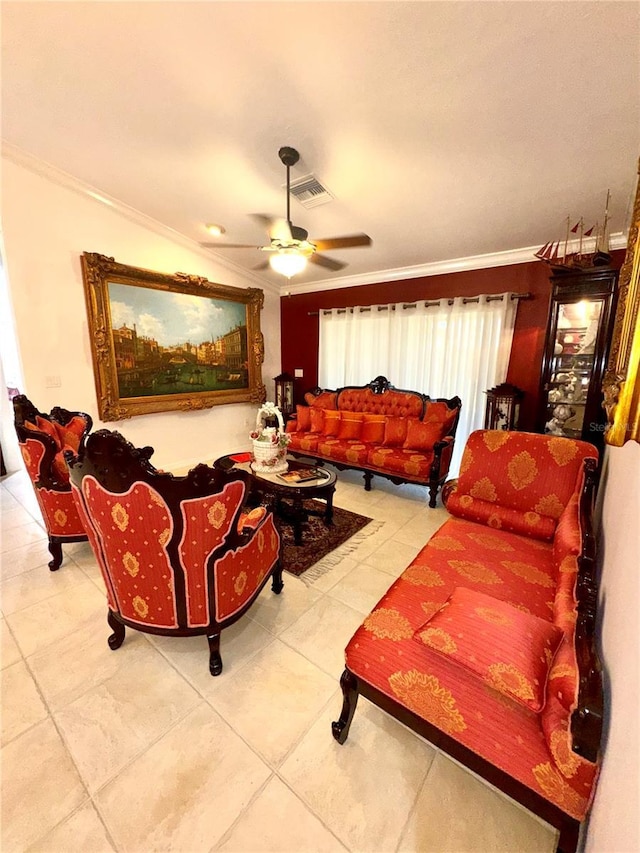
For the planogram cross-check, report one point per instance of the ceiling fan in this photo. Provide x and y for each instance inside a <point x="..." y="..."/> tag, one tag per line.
<point x="290" y="246"/>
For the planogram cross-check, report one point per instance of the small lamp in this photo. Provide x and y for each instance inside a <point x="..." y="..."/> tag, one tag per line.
<point x="284" y="394"/>
<point x="503" y="407"/>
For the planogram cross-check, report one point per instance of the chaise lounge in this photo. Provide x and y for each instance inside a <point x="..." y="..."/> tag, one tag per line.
<point x="485" y="644"/>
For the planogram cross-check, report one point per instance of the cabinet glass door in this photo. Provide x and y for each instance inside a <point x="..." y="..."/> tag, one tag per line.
<point x="572" y="366"/>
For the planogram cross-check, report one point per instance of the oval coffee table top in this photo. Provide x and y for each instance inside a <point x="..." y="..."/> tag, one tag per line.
<point x="284" y="480"/>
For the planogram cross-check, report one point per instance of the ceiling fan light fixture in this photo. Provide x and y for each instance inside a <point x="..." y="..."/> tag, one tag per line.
<point x="287" y="262"/>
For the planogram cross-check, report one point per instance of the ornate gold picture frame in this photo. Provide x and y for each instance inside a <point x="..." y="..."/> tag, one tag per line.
<point x="621" y="383"/>
<point x="164" y="342"/>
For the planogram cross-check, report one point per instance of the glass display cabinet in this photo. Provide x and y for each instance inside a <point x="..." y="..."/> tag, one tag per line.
<point x="579" y="332"/>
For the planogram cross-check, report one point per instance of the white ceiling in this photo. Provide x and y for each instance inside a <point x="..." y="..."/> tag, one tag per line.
<point x="443" y="129"/>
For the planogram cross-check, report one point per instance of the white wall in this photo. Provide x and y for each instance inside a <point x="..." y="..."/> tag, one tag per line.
<point x="46" y="228"/>
<point x="614" y="824"/>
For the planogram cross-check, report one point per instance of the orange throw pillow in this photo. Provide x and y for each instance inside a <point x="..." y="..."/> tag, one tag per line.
<point x="303" y="419"/>
<point x="373" y="428"/>
<point x="350" y="426"/>
<point x="70" y="434"/>
<point x="331" y="422"/>
<point x="45" y="426"/>
<point x="316" y="417"/>
<point x="440" y="413"/>
<point x="395" y="432"/>
<point x="324" y="400"/>
<point x="510" y="650"/>
<point x="421" y="436"/>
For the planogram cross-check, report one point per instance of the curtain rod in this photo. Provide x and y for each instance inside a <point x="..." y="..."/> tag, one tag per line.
<point x="465" y="300"/>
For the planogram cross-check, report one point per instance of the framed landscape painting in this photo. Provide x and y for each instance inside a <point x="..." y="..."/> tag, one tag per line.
<point x="162" y="342"/>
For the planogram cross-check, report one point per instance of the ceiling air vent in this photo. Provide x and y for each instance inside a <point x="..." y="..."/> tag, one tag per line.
<point x="310" y="192"/>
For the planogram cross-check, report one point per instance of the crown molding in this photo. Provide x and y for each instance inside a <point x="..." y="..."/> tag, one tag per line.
<point x="58" y="176"/>
<point x="473" y="262"/>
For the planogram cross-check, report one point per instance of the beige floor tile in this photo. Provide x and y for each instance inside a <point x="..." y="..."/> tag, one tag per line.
<point x="39" y="625"/>
<point x="421" y="528"/>
<point x="83" y="831"/>
<point x="273" y="700"/>
<point x="322" y="634"/>
<point x="190" y="655"/>
<point x="185" y="792"/>
<point x="362" y="588"/>
<point x="391" y="557"/>
<point x="37" y="772"/>
<point x="25" y="534"/>
<point x="277" y="612"/>
<point x="22" y="706"/>
<point x="17" y="516"/>
<point x="82" y="660"/>
<point x="9" y="651"/>
<point x="7" y="500"/>
<point x="278" y="822"/>
<point x="36" y="585"/>
<point x="487" y="821"/>
<point x="25" y="558"/>
<point x="364" y="790"/>
<point x="110" y="724"/>
<point x="331" y="577"/>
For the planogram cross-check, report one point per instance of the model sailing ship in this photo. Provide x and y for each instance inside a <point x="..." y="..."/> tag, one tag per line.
<point x="551" y="254"/>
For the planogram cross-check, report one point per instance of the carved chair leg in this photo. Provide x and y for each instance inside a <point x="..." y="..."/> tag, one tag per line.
<point x="55" y="549"/>
<point x="117" y="638"/>
<point x="368" y="477"/>
<point x="215" y="661"/>
<point x="349" y="685"/>
<point x="433" y="494"/>
<point x="276" y="579"/>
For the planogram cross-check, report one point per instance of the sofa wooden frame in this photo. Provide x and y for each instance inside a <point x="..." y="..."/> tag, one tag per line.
<point x="586" y="720"/>
<point x="380" y="385"/>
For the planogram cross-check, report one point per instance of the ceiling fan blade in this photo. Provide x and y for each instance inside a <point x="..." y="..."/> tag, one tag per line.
<point x="263" y="266"/>
<point x="228" y="246"/>
<point x="328" y="263"/>
<point x="342" y="242"/>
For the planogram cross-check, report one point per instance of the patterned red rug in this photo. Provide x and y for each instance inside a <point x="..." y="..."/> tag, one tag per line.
<point x="321" y="545"/>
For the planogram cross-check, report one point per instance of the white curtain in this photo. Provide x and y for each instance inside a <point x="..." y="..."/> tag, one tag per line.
<point x="443" y="348"/>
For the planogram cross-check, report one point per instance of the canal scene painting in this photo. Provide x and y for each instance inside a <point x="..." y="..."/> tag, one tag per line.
<point x="173" y="343"/>
<point x="161" y="342"/>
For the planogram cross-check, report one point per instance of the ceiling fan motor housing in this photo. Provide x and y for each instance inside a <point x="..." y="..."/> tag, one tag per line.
<point x="289" y="156"/>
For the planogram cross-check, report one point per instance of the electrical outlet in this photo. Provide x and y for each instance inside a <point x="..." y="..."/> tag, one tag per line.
<point x="298" y="373"/>
<point x="52" y="382"/>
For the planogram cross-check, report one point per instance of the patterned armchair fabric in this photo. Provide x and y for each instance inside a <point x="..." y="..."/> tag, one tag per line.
<point x="42" y="439"/>
<point x="487" y="637"/>
<point x="178" y="555"/>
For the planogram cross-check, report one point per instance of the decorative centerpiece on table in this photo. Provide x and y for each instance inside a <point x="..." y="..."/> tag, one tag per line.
<point x="269" y="442"/>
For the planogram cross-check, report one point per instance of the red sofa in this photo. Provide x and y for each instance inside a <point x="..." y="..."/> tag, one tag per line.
<point x="402" y="435"/>
<point x="484" y="645"/>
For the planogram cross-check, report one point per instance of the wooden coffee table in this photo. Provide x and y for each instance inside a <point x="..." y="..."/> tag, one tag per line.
<point x="290" y="497"/>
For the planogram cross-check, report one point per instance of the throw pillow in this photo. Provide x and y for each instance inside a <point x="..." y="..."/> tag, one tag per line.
<point x="70" y="434"/>
<point x="350" y="425"/>
<point x="324" y="400"/>
<point x="303" y="418"/>
<point x="331" y="422"/>
<point x="395" y="432"/>
<point x="421" y="436"/>
<point x="510" y="650"/>
<point x="373" y="428"/>
<point x="439" y="412"/>
<point x="316" y="417"/>
<point x="45" y="426"/>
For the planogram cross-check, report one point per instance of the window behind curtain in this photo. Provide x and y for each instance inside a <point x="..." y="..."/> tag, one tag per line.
<point x="439" y="349"/>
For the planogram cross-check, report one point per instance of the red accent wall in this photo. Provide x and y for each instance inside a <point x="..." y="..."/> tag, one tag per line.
<point x="300" y="330"/>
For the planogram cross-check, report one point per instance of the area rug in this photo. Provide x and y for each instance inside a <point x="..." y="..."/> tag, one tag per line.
<point x="323" y="546"/>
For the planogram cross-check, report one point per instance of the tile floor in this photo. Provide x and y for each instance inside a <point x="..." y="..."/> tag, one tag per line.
<point x="142" y="750"/>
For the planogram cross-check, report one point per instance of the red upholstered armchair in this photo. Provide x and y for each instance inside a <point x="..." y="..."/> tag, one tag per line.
<point x="179" y="555"/>
<point x="42" y="439"/>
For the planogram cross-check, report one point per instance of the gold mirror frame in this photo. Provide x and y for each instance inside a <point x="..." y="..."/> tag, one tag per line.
<point x="99" y="271"/>
<point x="621" y="385"/>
